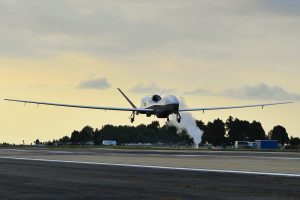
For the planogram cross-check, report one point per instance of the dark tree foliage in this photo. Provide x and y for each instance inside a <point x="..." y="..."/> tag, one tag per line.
<point x="75" y="137"/>
<point x="255" y="131"/>
<point x="151" y="133"/>
<point x="279" y="133"/>
<point x="37" y="142"/>
<point x="63" y="141"/>
<point x="236" y="129"/>
<point x="86" y="134"/>
<point x="295" y="141"/>
<point x="96" y="137"/>
<point x="215" y="133"/>
<point x="201" y="125"/>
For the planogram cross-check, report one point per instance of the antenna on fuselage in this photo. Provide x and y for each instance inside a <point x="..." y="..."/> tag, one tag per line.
<point x="129" y="101"/>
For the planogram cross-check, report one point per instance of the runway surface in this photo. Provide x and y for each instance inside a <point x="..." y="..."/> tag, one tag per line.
<point x="138" y="174"/>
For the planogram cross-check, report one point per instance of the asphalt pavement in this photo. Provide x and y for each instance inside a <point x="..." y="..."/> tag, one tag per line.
<point x="21" y="179"/>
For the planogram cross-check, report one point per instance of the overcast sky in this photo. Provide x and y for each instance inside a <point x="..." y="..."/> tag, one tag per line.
<point x="212" y="53"/>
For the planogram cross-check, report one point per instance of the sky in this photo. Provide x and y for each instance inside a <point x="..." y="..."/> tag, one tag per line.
<point x="211" y="53"/>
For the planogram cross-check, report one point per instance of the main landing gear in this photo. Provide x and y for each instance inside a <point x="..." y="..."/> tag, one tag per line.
<point x="132" y="117"/>
<point x="178" y="118"/>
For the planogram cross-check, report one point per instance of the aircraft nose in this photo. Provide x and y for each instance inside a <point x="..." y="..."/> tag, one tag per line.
<point x="172" y="100"/>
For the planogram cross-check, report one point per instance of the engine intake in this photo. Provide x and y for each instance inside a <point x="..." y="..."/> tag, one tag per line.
<point x="156" y="98"/>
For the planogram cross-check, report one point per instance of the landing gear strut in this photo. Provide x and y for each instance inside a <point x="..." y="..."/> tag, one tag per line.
<point x="132" y="117"/>
<point x="178" y="118"/>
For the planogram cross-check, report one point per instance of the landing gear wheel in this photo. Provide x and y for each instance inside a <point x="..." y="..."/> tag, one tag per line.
<point x="132" y="117"/>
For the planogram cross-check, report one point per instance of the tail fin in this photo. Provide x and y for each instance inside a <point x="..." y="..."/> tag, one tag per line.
<point x="126" y="98"/>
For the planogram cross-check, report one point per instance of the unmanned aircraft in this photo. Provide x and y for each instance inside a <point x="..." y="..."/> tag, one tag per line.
<point x="155" y="105"/>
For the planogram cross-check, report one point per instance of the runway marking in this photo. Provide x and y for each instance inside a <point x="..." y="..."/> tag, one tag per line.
<point x="158" y="167"/>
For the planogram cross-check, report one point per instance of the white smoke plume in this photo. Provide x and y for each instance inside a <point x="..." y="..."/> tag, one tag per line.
<point x="188" y="123"/>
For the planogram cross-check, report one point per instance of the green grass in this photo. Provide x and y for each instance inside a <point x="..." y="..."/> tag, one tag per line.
<point x="179" y="148"/>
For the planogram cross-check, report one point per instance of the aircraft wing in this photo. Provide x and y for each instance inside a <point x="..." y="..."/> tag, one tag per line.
<point x="232" y="107"/>
<point x="80" y="106"/>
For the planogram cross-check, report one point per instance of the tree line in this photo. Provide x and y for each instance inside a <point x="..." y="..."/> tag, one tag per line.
<point x="217" y="133"/>
<point x="152" y="133"/>
<point x="234" y="129"/>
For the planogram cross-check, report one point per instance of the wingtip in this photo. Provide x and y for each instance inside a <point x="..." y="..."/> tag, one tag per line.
<point x="287" y="102"/>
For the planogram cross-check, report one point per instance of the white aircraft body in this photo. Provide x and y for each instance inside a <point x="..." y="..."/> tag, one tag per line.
<point x="155" y="105"/>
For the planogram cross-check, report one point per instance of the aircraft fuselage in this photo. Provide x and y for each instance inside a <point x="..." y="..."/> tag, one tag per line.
<point x="162" y="107"/>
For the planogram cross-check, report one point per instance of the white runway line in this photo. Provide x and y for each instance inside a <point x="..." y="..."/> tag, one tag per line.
<point x="159" y="167"/>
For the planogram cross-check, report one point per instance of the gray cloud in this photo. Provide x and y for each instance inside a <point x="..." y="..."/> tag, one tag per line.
<point x="257" y="92"/>
<point x="107" y="28"/>
<point x="35" y="27"/>
<point x="100" y="83"/>
<point x="281" y="7"/>
<point x="199" y="92"/>
<point x="260" y="92"/>
<point x="152" y="88"/>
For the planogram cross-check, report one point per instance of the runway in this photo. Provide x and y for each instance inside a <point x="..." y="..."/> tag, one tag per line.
<point x="136" y="174"/>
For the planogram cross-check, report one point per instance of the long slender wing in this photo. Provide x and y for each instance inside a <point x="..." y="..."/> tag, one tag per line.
<point x="80" y="106"/>
<point x="233" y="107"/>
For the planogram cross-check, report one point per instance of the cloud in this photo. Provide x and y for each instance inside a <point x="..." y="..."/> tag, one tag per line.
<point x="100" y="83"/>
<point x="281" y="7"/>
<point x="260" y="92"/>
<point x="219" y="36"/>
<point x="198" y="92"/>
<point x="152" y="88"/>
<point x="49" y="28"/>
<point x="122" y="28"/>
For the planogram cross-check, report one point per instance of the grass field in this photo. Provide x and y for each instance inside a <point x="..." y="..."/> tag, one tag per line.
<point x="122" y="147"/>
